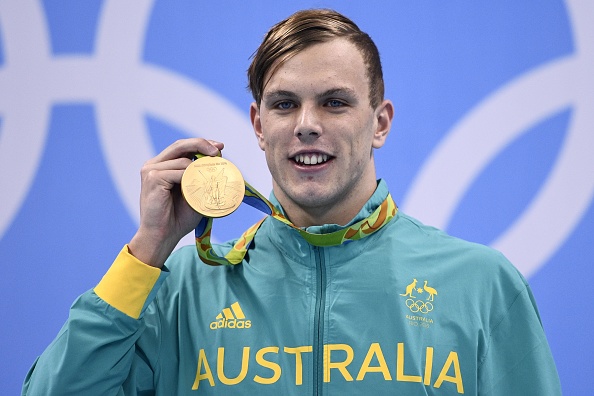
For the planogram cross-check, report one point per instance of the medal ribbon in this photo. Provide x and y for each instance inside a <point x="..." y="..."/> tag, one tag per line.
<point x="380" y="217"/>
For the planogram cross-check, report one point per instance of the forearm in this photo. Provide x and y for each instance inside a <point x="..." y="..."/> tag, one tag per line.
<point x="95" y="349"/>
<point x="92" y="353"/>
<point x="152" y="248"/>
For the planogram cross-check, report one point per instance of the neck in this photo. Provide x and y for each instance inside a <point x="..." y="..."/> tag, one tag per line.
<point x="339" y="212"/>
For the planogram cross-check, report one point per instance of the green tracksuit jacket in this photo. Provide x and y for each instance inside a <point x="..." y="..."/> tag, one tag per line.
<point x="408" y="311"/>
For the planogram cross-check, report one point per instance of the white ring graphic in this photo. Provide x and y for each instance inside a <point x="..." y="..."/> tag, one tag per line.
<point x="123" y="90"/>
<point x="24" y="112"/>
<point x="500" y="119"/>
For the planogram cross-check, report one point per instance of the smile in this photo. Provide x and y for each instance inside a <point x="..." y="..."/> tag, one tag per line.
<point x="310" y="159"/>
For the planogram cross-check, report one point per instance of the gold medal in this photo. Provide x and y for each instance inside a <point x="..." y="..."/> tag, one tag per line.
<point x="213" y="186"/>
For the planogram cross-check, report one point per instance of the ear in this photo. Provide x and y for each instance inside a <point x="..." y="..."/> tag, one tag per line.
<point x="384" y="115"/>
<point x="257" y="124"/>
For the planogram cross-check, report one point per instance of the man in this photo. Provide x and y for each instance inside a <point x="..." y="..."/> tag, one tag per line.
<point x="389" y="307"/>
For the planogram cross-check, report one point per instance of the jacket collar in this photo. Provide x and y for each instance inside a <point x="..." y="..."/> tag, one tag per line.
<point x="378" y="196"/>
<point x="288" y="239"/>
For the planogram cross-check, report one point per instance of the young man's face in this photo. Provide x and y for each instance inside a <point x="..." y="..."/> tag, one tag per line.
<point x="317" y="128"/>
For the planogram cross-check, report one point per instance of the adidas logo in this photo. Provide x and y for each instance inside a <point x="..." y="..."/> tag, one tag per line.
<point x="231" y="318"/>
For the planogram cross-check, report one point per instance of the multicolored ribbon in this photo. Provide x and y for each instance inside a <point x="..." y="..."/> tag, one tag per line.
<point x="380" y="217"/>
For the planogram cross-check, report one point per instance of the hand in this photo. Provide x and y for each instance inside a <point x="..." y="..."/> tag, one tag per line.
<point x="165" y="216"/>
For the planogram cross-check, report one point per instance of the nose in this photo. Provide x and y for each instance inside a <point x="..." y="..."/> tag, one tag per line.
<point x="308" y="126"/>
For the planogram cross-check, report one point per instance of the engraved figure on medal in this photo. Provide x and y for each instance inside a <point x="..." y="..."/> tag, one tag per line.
<point x="213" y="186"/>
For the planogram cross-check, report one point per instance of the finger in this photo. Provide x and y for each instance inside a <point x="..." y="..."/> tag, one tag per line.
<point x="166" y="178"/>
<point x="165" y="173"/>
<point x="217" y="144"/>
<point x="178" y="163"/>
<point x="186" y="148"/>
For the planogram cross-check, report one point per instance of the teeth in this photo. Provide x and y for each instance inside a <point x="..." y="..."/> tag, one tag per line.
<point x="311" y="159"/>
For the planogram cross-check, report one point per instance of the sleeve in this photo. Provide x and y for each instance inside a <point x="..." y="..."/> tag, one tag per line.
<point x="94" y="353"/>
<point x="518" y="360"/>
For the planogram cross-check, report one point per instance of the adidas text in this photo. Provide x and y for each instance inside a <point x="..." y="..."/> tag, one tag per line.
<point x="231" y="324"/>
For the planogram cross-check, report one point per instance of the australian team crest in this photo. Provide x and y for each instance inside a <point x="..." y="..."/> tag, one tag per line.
<point x="420" y="301"/>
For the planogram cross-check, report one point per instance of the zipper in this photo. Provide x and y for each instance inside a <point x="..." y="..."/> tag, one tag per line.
<point x="318" y="344"/>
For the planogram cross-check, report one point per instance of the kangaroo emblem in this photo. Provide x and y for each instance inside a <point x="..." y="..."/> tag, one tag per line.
<point x="410" y="288"/>
<point x="432" y="292"/>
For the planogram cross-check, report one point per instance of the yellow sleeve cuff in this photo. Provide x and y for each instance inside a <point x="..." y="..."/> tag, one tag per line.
<point x="128" y="284"/>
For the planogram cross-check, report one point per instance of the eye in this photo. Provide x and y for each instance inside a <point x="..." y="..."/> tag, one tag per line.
<point x="334" y="103"/>
<point x="285" y="105"/>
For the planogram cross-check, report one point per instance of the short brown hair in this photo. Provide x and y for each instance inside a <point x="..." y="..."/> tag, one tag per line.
<point x="306" y="28"/>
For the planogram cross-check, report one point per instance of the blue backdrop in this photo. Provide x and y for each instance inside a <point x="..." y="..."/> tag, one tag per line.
<point x="492" y="139"/>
